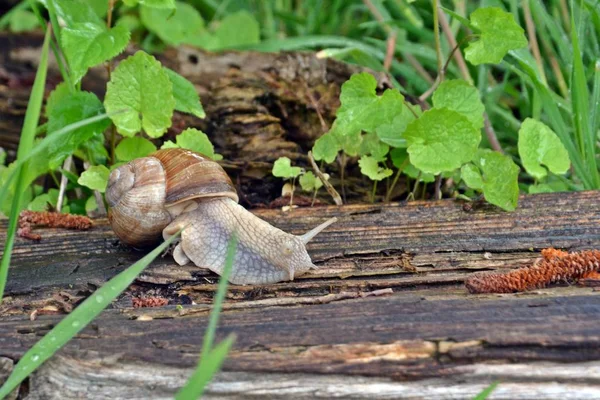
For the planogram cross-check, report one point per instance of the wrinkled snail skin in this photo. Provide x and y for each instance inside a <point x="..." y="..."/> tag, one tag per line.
<point x="265" y="254"/>
<point x="176" y="189"/>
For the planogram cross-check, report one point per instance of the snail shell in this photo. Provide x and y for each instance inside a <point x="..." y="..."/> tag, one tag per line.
<point x="146" y="194"/>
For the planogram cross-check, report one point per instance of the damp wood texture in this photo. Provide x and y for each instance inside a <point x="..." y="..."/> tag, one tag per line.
<point x="386" y="315"/>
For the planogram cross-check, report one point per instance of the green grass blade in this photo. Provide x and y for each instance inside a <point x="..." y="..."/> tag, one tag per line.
<point x="485" y="393"/>
<point x="66" y="329"/>
<point x="209" y="337"/>
<point x="586" y="138"/>
<point x="208" y="366"/>
<point x="45" y="144"/>
<point x="595" y="117"/>
<point x="211" y="359"/>
<point x="32" y="116"/>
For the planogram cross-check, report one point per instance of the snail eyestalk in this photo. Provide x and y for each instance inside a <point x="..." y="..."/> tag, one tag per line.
<point x="307" y="237"/>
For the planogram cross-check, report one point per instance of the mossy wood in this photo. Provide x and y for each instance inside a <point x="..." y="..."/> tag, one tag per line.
<point x="321" y="335"/>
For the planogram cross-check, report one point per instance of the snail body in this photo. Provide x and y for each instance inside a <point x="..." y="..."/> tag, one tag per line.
<point x="176" y="189"/>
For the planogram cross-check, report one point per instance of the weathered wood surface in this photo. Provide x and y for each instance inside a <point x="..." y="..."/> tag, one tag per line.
<point x="429" y="339"/>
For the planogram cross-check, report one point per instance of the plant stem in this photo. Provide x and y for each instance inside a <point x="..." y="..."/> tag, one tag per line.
<point x="458" y="57"/>
<point x="436" y="35"/>
<point x="535" y="49"/>
<point x="438" y="186"/>
<point x="63" y="183"/>
<point x="388" y="195"/>
<point x="373" y="191"/>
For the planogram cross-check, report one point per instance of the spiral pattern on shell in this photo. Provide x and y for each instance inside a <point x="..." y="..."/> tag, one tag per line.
<point x="144" y="194"/>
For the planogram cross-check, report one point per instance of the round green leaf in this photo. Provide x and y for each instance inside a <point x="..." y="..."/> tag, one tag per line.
<point x="195" y="140"/>
<point x="95" y="178"/>
<point x="472" y="177"/>
<point x="499" y="34"/>
<point x="370" y="167"/>
<point x="539" y="145"/>
<point x="362" y="110"/>
<point x="441" y="140"/>
<point x="282" y="168"/>
<point x="172" y="28"/>
<point x="460" y="96"/>
<point x="500" y="179"/>
<point x="132" y="148"/>
<point x="140" y="85"/>
<point x="309" y="182"/>
<point x="326" y="148"/>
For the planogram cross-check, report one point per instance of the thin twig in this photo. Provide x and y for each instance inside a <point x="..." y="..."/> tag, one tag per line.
<point x="535" y="49"/>
<point x="458" y="57"/>
<point x="438" y="44"/>
<point x="328" y="186"/>
<point x="438" y="186"/>
<point x="342" y="160"/>
<point x="390" y="50"/>
<point x="63" y="183"/>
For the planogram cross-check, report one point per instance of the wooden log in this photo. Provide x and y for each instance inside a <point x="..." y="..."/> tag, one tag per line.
<point x="322" y="335"/>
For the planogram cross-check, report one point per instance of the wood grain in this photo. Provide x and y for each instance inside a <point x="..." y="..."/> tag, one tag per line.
<point x="317" y="336"/>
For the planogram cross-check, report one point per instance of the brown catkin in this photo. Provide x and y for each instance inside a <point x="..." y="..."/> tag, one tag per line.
<point x="556" y="266"/>
<point x="27" y="219"/>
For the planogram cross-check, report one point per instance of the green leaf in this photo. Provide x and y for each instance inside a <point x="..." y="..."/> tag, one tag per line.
<point x="76" y="11"/>
<point x="2" y="156"/>
<point x="87" y="45"/>
<point x="441" y="140"/>
<point x="458" y="95"/>
<point x="40" y="203"/>
<point x="91" y="204"/>
<point x="140" y="85"/>
<point x="237" y="29"/>
<point x="163" y="4"/>
<point x="326" y="148"/>
<point x="134" y="147"/>
<point x="173" y="28"/>
<point x="309" y="182"/>
<point x="78" y="319"/>
<point x="549" y="187"/>
<point x="371" y="145"/>
<point x="187" y="99"/>
<point x="169" y="144"/>
<point x="472" y="177"/>
<point x="350" y="143"/>
<point x="539" y="145"/>
<point x="282" y="168"/>
<point x="95" y="177"/>
<point x="499" y="34"/>
<point x="23" y="21"/>
<point x="392" y="133"/>
<point x="500" y="179"/>
<point x="361" y="109"/>
<point x="195" y="140"/>
<point x="370" y="167"/>
<point x="60" y="92"/>
<point x="70" y="109"/>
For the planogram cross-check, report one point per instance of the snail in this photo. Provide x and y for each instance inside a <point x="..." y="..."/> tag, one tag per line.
<point x="173" y="189"/>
